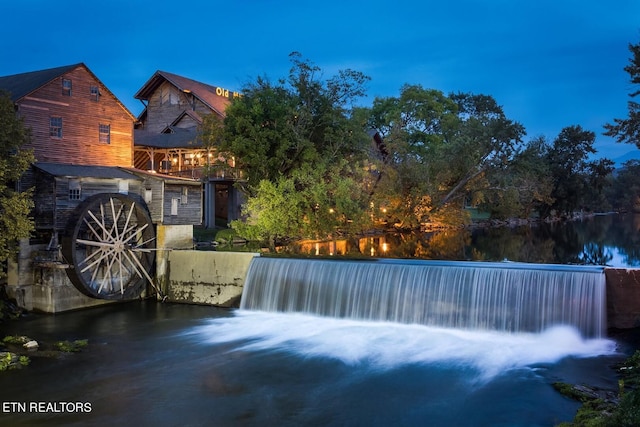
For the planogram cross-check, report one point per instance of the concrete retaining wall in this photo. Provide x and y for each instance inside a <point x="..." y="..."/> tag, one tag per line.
<point x="623" y="298"/>
<point x="205" y="277"/>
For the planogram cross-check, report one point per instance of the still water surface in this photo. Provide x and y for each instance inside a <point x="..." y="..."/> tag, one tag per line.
<point x="612" y="240"/>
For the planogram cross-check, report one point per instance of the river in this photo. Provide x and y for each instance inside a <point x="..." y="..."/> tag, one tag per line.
<point x="160" y="364"/>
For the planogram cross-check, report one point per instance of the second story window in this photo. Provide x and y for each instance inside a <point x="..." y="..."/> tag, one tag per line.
<point x="66" y="87"/>
<point x="105" y="134"/>
<point x="95" y="93"/>
<point x="55" y="127"/>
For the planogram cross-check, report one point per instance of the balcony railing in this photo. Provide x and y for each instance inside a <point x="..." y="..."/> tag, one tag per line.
<point x="221" y="172"/>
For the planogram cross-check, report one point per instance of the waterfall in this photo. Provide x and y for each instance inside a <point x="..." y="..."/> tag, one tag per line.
<point x="510" y="297"/>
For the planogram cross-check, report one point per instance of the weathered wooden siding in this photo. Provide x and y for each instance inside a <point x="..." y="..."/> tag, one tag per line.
<point x="44" y="200"/>
<point x="62" y="207"/>
<point x="156" y="203"/>
<point x="81" y="116"/>
<point x="167" y="103"/>
<point x="189" y="213"/>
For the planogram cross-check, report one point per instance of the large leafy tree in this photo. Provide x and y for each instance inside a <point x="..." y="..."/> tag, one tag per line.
<point x="278" y="127"/>
<point x="441" y="150"/>
<point x="301" y="143"/>
<point x="577" y="181"/>
<point x="15" y="206"/>
<point x="522" y="188"/>
<point x="624" y="192"/>
<point x="628" y="130"/>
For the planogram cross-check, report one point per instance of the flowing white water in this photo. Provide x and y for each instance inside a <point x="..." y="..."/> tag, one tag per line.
<point x="507" y="297"/>
<point x="386" y="346"/>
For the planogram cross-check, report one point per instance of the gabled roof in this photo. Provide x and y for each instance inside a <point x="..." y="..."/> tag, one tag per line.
<point x="23" y="84"/>
<point x="79" y="171"/>
<point x="169" y="179"/>
<point x="202" y="91"/>
<point x="178" y="138"/>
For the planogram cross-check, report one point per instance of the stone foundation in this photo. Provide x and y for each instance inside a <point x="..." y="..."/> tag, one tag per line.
<point x="623" y="298"/>
<point x="206" y="277"/>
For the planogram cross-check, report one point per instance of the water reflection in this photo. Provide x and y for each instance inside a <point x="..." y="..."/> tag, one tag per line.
<point x="611" y="240"/>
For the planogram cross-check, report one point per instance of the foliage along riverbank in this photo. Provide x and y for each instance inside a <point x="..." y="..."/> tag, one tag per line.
<point x="608" y="408"/>
<point x="17" y="351"/>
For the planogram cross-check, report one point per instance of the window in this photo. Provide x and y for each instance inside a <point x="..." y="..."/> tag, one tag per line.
<point x="174" y="206"/>
<point x="95" y="93"/>
<point x="74" y="190"/>
<point x="183" y="198"/>
<point x="123" y="186"/>
<point x="55" y="127"/>
<point x="66" y="87"/>
<point x="105" y="133"/>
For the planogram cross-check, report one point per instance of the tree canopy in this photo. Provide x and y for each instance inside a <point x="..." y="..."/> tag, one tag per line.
<point x="628" y="130"/>
<point x="318" y="165"/>
<point x="303" y="149"/>
<point x="15" y="206"/>
<point x="441" y="150"/>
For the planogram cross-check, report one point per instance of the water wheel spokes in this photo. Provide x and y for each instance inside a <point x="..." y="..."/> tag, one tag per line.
<point x="111" y="247"/>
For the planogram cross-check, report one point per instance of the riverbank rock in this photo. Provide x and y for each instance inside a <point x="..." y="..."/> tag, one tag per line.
<point x="31" y="345"/>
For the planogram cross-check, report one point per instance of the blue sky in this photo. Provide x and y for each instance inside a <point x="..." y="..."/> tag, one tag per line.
<point x="549" y="63"/>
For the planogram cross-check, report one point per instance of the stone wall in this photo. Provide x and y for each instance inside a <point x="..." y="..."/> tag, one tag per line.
<point x="206" y="277"/>
<point x="623" y="298"/>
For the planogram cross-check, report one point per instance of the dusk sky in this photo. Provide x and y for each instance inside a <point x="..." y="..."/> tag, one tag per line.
<point x="549" y="63"/>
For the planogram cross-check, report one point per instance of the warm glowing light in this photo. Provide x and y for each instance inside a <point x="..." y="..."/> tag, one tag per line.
<point x="317" y="248"/>
<point x="385" y="247"/>
<point x="373" y="251"/>
<point x="331" y="210"/>
<point x="174" y="160"/>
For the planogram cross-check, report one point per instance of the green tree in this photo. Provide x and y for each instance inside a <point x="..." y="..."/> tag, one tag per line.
<point x="577" y="182"/>
<point x="624" y="192"/>
<point x="276" y="128"/>
<point x="440" y="151"/>
<point x="301" y="142"/>
<point x="628" y="130"/>
<point x="15" y="206"/>
<point x="414" y="127"/>
<point x="524" y="187"/>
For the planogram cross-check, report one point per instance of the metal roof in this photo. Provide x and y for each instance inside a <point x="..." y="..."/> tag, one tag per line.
<point x="78" y="171"/>
<point x="178" y="138"/>
<point x="169" y="179"/>
<point x="204" y="92"/>
<point x="21" y="85"/>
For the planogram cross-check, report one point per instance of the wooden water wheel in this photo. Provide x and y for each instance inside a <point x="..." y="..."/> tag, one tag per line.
<point x="109" y="242"/>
